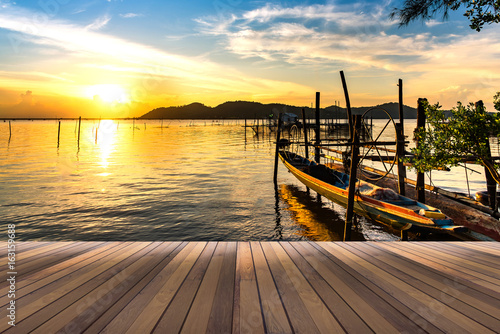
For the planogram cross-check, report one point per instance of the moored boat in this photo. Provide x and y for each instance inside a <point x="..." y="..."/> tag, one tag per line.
<point x="380" y="204"/>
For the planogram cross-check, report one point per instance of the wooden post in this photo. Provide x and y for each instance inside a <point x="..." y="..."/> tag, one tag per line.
<point x="58" y="133"/>
<point x="347" y="104"/>
<point x="304" y="128"/>
<point x="276" y="155"/>
<point x="79" y="126"/>
<point x="401" y="113"/>
<point x="317" y="141"/>
<point x="491" y="185"/>
<point x="352" y="179"/>
<point x="10" y="131"/>
<point x="420" y="187"/>
<point x="400" y="153"/>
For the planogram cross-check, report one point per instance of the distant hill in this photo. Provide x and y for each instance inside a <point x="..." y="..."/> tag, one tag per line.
<point x="251" y="110"/>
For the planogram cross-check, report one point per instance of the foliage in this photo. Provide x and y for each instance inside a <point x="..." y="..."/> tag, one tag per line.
<point x="496" y="101"/>
<point x="446" y="141"/>
<point x="478" y="12"/>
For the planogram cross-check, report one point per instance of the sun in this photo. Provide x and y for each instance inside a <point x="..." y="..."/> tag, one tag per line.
<point x="110" y="93"/>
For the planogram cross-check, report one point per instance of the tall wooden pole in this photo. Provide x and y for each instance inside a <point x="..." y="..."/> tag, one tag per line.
<point x="347" y="104"/>
<point x="352" y="179"/>
<point x="318" y="124"/>
<point x="400" y="153"/>
<point x="304" y="128"/>
<point x="276" y="155"/>
<point x="58" y="133"/>
<point x="10" y="131"/>
<point x="79" y="126"/>
<point x="401" y="113"/>
<point x="420" y="126"/>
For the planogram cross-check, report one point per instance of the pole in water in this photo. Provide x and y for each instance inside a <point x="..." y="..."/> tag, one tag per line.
<point x="79" y="127"/>
<point x="400" y="153"/>
<point x="304" y="128"/>
<point x="58" y="133"/>
<point x="352" y="179"/>
<point x="420" y="187"/>
<point x="318" y="125"/>
<point x="347" y="104"/>
<point x="276" y="155"/>
<point x="10" y="130"/>
<point x="401" y="113"/>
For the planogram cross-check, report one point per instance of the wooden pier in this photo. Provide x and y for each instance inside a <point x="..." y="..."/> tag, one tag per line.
<point x="254" y="287"/>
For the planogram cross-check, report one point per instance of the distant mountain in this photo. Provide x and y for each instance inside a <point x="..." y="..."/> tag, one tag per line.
<point x="252" y="110"/>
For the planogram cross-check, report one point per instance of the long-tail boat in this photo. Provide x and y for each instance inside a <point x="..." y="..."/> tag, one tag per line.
<point x="379" y="204"/>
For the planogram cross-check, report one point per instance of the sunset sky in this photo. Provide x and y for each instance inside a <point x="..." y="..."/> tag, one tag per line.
<point x="66" y="58"/>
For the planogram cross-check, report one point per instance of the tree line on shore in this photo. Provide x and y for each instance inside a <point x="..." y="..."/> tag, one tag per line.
<point x="253" y="110"/>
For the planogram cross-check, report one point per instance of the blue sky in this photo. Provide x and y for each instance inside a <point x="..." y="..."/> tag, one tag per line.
<point x="123" y="58"/>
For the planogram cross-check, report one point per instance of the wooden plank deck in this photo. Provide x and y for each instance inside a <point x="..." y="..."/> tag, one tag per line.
<point x="254" y="287"/>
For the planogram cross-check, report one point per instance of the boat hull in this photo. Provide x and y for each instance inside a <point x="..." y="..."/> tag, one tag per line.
<point x="388" y="214"/>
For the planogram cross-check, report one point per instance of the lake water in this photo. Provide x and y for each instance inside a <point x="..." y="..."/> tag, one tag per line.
<point x="185" y="180"/>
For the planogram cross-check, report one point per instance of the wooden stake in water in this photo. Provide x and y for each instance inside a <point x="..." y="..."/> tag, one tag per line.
<point x="304" y="128"/>
<point x="317" y="141"/>
<point x="10" y="131"/>
<point x="97" y="129"/>
<point x="276" y="155"/>
<point x="58" y="133"/>
<point x="79" y="127"/>
<point x="420" y="187"/>
<point x="352" y="178"/>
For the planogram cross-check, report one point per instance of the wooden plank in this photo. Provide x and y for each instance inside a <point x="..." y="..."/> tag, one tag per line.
<point x="479" y="258"/>
<point x="376" y="312"/>
<point x="174" y="316"/>
<point x="221" y="316"/>
<point x="77" y="317"/>
<point x="446" y="284"/>
<point x="449" y="319"/>
<point x="275" y="317"/>
<point x="58" y="298"/>
<point x="50" y="283"/>
<point x="479" y="252"/>
<point x="47" y="259"/>
<point x="434" y="261"/>
<point x="488" y="247"/>
<point x="425" y="281"/>
<point x="485" y="272"/>
<point x="28" y="257"/>
<point x="152" y="312"/>
<point x="347" y="318"/>
<point x="320" y="314"/>
<point x="298" y="315"/>
<point x="169" y="252"/>
<point x="49" y="275"/>
<point x="58" y="270"/>
<point x="199" y="314"/>
<point x="247" y="315"/>
<point x="130" y="313"/>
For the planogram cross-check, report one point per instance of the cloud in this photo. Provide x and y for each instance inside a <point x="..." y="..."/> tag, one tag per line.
<point x="150" y="69"/>
<point x="130" y="15"/>
<point x="99" y="23"/>
<point x="361" y="39"/>
<point x="432" y="23"/>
